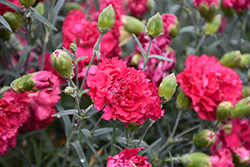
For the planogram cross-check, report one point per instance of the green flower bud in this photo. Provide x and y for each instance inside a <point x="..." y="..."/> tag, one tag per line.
<point x="168" y="86"/>
<point x="197" y="159"/>
<point x="5" y="34"/>
<point x="240" y="157"/>
<point x="69" y="90"/>
<point x="208" y="13"/>
<point x="62" y="62"/>
<point x="155" y="25"/>
<point x="213" y="26"/>
<point x="242" y="108"/>
<point x="224" y="111"/>
<point x="132" y="24"/>
<point x="231" y="59"/>
<point x="14" y="20"/>
<point x="134" y="126"/>
<point x="73" y="47"/>
<point x="27" y="3"/>
<point x="245" y="61"/>
<point x="151" y="4"/>
<point x="106" y="20"/>
<point x="183" y="101"/>
<point x="24" y="83"/>
<point x="2" y="90"/>
<point x="72" y="5"/>
<point x="135" y="59"/>
<point x="174" y="29"/>
<point x="40" y="8"/>
<point x="204" y="138"/>
<point x="245" y="91"/>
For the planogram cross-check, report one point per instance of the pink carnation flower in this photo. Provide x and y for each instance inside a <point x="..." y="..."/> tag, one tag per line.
<point x="137" y="7"/>
<point x="222" y="158"/>
<point x="123" y="93"/>
<point x="238" y="5"/>
<point x="4" y="8"/>
<point x="168" y="21"/>
<point x="207" y="82"/>
<point x="207" y="2"/>
<point x="128" y="158"/>
<point x="43" y="80"/>
<point x="13" y="113"/>
<point x="42" y="106"/>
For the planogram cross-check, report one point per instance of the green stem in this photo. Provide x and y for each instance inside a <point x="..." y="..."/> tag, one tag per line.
<point x="28" y="32"/>
<point x="150" y="123"/>
<point x="200" y="43"/>
<point x="176" y="123"/>
<point x="44" y="49"/>
<point x="146" y="56"/>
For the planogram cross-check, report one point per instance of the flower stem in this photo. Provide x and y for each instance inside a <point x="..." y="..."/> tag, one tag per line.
<point x="146" y="56"/>
<point x="200" y="43"/>
<point x="150" y="123"/>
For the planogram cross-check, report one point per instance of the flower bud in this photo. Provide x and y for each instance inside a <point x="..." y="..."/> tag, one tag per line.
<point x="4" y="34"/>
<point x="27" y="3"/>
<point x="62" y="62"/>
<point x="231" y="59"/>
<point x="245" y="91"/>
<point x="197" y="159"/>
<point x="106" y="20"/>
<point x="208" y="12"/>
<point x="183" y="101"/>
<point x="245" y="61"/>
<point x="34" y="81"/>
<point x="242" y="108"/>
<point x="69" y="90"/>
<point x="135" y="59"/>
<point x="14" y="20"/>
<point x="168" y="86"/>
<point x="204" y="138"/>
<point x="224" y="111"/>
<point x="132" y="24"/>
<point x="155" y="25"/>
<point x="171" y="24"/>
<point x="73" y="47"/>
<point x="134" y="126"/>
<point x="213" y="26"/>
<point x="151" y="4"/>
<point x="240" y="157"/>
<point x="72" y="5"/>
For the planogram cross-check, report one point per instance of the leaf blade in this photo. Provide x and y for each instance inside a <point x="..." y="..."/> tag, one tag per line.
<point x="160" y="57"/>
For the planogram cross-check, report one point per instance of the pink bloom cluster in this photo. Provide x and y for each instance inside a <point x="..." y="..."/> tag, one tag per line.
<point x="123" y="93"/>
<point x="222" y="158"/>
<point x="4" y="8"/>
<point x="137" y="7"/>
<point x="13" y="113"/>
<point x="43" y="80"/>
<point x="168" y="21"/>
<point x="128" y="158"/>
<point x="207" y="82"/>
<point x="238" y="5"/>
<point x="207" y="2"/>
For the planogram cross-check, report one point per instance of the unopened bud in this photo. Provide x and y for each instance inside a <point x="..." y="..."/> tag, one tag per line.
<point x="171" y="24"/>
<point x="242" y="108"/>
<point x="106" y="20"/>
<point x="135" y="59"/>
<point x="213" y="26"/>
<point x="204" y="138"/>
<point x="168" y="86"/>
<point x="27" y="3"/>
<point x="69" y="90"/>
<point x="245" y="61"/>
<point x="73" y="47"/>
<point x="5" y="34"/>
<point x="14" y="20"/>
<point x="197" y="159"/>
<point x="224" y="111"/>
<point x="245" y="91"/>
<point x="62" y="62"/>
<point x="151" y="4"/>
<point x="34" y="81"/>
<point x="240" y="157"/>
<point x="134" y="126"/>
<point x="231" y="59"/>
<point x="208" y="12"/>
<point x="72" y="5"/>
<point x="155" y="25"/>
<point x="183" y="101"/>
<point x="132" y="24"/>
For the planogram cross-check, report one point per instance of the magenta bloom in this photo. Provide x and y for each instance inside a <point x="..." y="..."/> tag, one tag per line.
<point x="13" y="113"/>
<point x="238" y="5"/>
<point x="207" y="2"/>
<point x="123" y="93"/>
<point x="222" y="158"/>
<point x="171" y="24"/>
<point x="137" y="7"/>
<point x="4" y="8"/>
<point x="128" y="158"/>
<point x="43" y="80"/>
<point x="207" y="82"/>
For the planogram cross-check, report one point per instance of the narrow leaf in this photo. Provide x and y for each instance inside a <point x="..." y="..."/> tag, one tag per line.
<point x="91" y="147"/>
<point x="80" y="153"/>
<point x="102" y="131"/>
<point x="11" y="5"/>
<point x="67" y="125"/>
<point x="113" y="139"/>
<point x="5" y="23"/>
<point x="75" y="161"/>
<point x="21" y="61"/>
<point x="150" y="147"/>
<point x="66" y="112"/>
<point x="71" y="55"/>
<point x="81" y="58"/>
<point x="160" y="57"/>
<point x="98" y="54"/>
<point x="190" y="29"/>
<point x="36" y="15"/>
<point x="139" y="43"/>
<point x="56" y="9"/>
<point x="6" y="52"/>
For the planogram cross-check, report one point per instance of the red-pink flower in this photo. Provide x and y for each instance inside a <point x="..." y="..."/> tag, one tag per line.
<point x="223" y="24"/>
<point x="123" y="93"/>
<point x="128" y="158"/>
<point x="242" y="154"/>
<point x="42" y="106"/>
<point x="137" y="7"/>
<point x="207" y="2"/>
<point x="207" y="82"/>
<point x="238" y="5"/>
<point x="4" y="8"/>
<point x="222" y="158"/>
<point x="13" y="113"/>
<point x="43" y="80"/>
<point x="169" y="20"/>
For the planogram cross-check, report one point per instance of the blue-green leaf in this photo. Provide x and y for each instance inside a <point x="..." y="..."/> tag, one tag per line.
<point x="66" y="112"/>
<point x="56" y="9"/>
<point x="150" y="147"/>
<point x="139" y="43"/>
<point x="71" y="55"/>
<point x="5" y="23"/>
<point x="80" y="153"/>
<point x="160" y="57"/>
<point x="21" y="61"/>
<point x="98" y="54"/>
<point x="81" y="58"/>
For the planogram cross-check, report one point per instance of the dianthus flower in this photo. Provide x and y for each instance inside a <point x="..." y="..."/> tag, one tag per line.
<point x="123" y="93"/>
<point x="207" y="2"/>
<point x="13" y="113"/>
<point x="207" y="83"/>
<point x="222" y="158"/>
<point x="168" y="21"/>
<point x="128" y="158"/>
<point x="238" y="5"/>
<point x="4" y="8"/>
<point x="42" y="106"/>
<point x="137" y="7"/>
